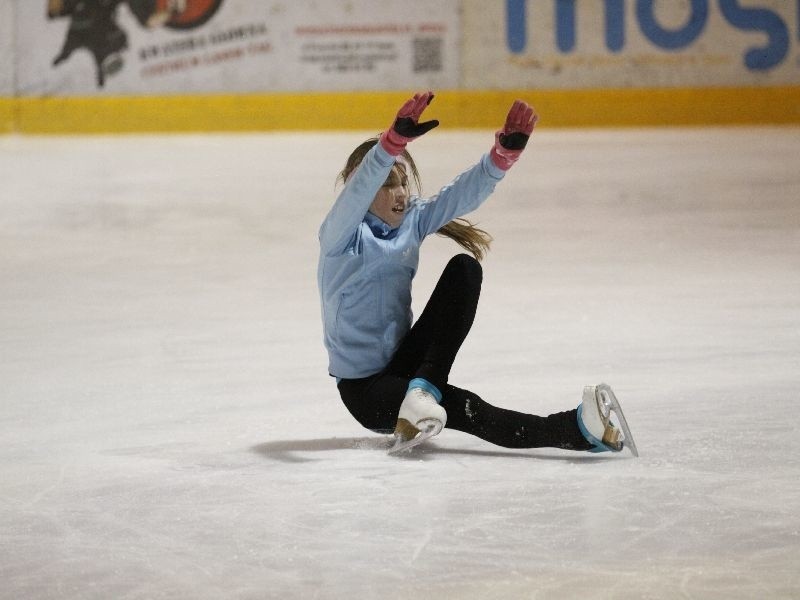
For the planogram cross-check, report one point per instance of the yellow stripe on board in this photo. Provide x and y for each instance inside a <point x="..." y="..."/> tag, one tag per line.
<point x="7" y="114"/>
<point x="371" y="110"/>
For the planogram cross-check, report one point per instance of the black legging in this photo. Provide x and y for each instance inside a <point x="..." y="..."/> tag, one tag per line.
<point x="428" y="351"/>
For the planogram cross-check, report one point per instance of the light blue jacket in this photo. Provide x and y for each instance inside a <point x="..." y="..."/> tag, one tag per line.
<point x="365" y="267"/>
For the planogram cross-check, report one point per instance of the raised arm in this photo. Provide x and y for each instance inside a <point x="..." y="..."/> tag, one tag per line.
<point x="341" y="225"/>
<point x="510" y="141"/>
<point x="468" y="191"/>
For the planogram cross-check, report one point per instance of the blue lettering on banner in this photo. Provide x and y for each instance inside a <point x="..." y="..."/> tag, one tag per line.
<point x="759" y="19"/>
<point x="763" y="20"/>
<point x="516" y="25"/>
<point x="672" y="39"/>
<point x="614" y="24"/>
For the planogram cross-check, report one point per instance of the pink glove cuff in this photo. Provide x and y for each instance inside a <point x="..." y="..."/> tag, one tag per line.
<point x="503" y="158"/>
<point x="393" y="142"/>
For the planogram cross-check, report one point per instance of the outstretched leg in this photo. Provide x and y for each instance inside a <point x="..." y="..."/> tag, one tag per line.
<point x="469" y="413"/>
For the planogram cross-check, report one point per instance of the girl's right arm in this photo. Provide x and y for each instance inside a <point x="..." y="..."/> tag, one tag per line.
<point x="340" y="227"/>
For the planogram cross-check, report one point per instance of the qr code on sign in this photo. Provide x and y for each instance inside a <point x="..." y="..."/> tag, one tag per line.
<point x="427" y="55"/>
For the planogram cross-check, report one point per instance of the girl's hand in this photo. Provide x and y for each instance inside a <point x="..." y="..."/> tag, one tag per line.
<point x="406" y="125"/>
<point x="510" y="141"/>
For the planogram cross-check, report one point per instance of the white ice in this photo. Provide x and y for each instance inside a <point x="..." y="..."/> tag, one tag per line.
<point x="168" y="429"/>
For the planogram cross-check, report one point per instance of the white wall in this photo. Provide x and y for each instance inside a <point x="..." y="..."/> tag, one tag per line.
<point x="6" y="48"/>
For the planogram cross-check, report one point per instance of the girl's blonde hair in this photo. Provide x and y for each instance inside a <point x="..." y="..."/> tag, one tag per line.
<point x="472" y="239"/>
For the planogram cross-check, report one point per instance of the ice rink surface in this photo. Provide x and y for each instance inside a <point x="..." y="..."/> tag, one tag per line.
<point x="168" y="429"/>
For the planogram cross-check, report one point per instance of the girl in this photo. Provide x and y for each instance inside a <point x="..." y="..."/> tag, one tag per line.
<point x="392" y="376"/>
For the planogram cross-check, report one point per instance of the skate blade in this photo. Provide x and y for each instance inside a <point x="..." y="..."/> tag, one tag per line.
<point x="402" y="444"/>
<point x="627" y="441"/>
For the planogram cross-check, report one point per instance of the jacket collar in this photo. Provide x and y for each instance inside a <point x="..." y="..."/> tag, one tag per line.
<point x="380" y="228"/>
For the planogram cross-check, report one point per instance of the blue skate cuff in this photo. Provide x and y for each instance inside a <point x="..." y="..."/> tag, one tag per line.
<point x="424" y="384"/>
<point x="599" y="446"/>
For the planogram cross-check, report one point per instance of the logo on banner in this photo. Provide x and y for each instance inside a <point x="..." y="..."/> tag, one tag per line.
<point x="767" y="21"/>
<point x="93" y="26"/>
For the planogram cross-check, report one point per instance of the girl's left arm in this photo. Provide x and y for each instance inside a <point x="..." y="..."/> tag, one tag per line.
<point x="461" y="196"/>
<point x="468" y="191"/>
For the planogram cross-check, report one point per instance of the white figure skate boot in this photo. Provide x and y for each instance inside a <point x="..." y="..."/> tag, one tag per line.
<point x="594" y="421"/>
<point x="420" y="416"/>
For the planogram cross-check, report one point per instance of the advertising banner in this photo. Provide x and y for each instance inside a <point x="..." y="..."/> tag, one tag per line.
<point x="129" y="47"/>
<point x="562" y="44"/>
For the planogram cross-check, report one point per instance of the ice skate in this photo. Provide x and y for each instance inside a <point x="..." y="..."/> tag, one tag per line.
<point x="420" y="418"/>
<point x="594" y="420"/>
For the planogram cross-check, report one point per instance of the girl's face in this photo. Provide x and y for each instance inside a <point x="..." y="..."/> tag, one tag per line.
<point x="391" y="201"/>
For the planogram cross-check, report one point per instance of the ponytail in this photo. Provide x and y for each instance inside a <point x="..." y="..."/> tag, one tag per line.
<point x="472" y="239"/>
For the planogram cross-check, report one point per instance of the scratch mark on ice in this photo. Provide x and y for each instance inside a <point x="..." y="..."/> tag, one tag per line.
<point x="421" y="546"/>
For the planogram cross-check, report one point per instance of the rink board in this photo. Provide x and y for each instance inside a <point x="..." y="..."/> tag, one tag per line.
<point x="368" y="110"/>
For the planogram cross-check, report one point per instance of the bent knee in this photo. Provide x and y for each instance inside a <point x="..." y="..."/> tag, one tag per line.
<point x="466" y="266"/>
